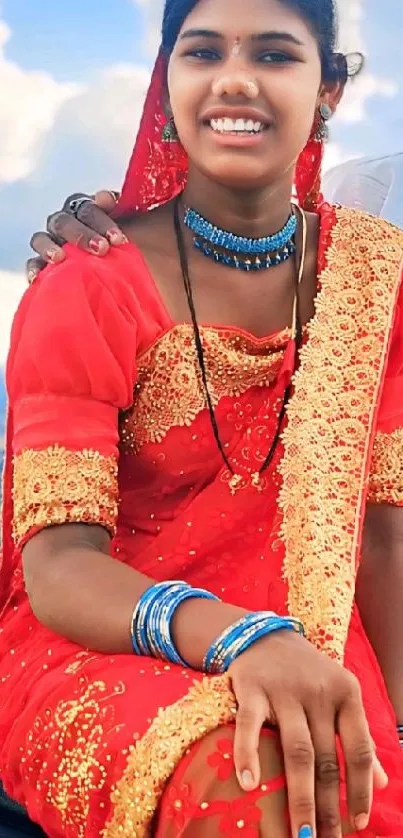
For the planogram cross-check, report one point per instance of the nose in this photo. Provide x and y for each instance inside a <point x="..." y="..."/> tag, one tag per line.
<point x="238" y="83"/>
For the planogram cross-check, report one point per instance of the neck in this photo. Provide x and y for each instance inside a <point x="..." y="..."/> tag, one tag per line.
<point x="254" y="213"/>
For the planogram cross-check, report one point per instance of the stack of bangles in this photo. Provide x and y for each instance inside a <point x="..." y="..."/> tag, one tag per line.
<point x="151" y="627"/>
<point x="400" y="734"/>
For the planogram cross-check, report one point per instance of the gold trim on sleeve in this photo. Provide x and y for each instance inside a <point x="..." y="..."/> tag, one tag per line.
<point x="60" y="486"/>
<point x="153" y="759"/>
<point x="330" y="423"/>
<point x="386" y="476"/>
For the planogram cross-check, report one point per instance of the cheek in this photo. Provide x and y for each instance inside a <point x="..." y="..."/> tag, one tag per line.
<point x="296" y="106"/>
<point x="184" y="95"/>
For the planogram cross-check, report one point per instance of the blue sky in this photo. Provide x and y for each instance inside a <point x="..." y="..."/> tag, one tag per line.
<point x="72" y="79"/>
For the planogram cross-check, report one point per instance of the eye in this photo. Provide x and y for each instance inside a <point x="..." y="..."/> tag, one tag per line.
<point x="204" y="54"/>
<point x="275" y="57"/>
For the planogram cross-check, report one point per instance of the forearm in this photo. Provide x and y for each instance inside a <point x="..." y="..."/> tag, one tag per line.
<point x="379" y="598"/>
<point x="89" y="597"/>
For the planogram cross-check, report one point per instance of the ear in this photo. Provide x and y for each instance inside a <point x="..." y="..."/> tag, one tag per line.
<point x="331" y="94"/>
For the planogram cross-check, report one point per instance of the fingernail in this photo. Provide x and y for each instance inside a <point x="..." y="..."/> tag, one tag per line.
<point x="247" y="780"/>
<point x="116" y="237"/>
<point x="54" y="255"/>
<point x="305" y="832"/>
<point x="98" y="246"/>
<point x="361" y="822"/>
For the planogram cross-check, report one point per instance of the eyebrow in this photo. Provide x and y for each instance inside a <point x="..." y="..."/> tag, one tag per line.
<point x="262" y="36"/>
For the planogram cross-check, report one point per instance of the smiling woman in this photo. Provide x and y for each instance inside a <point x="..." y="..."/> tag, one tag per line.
<point x="204" y="453"/>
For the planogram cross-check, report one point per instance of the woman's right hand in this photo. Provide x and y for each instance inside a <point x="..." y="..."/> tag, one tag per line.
<point x="91" y="228"/>
<point x="286" y="681"/>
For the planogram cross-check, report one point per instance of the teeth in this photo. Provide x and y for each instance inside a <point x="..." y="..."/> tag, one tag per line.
<point x="236" y="126"/>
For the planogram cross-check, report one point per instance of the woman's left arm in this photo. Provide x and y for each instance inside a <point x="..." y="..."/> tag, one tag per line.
<point x="379" y="594"/>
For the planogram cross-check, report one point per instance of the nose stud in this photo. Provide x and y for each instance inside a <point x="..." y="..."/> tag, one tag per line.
<point x="252" y="89"/>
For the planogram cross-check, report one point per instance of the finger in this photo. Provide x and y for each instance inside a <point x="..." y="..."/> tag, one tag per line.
<point x="98" y="219"/>
<point x="381" y="778"/>
<point x="359" y="756"/>
<point x="95" y="214"/>
<point x="47" y="248"/>
<point x="73" y="230"/>
<point x="107" y="199"/>
<point x="327" y="772"/>
<point x="250" y="718"/>
<point x="299" y="760"/>
<point x="33" y="268"/>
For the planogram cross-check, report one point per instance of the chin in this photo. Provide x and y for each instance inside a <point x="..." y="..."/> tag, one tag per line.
<point x="241" y="175"/>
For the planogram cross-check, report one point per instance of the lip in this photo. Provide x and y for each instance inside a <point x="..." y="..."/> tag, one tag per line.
<point x="236" y="141"/>
<point x="236" y="113"/>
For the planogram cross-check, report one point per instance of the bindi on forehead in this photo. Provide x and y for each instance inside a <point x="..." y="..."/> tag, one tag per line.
<point x="237" y="47"/>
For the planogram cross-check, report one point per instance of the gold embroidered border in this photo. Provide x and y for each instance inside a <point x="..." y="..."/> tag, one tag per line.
<point x="330" y="419"/>
<point x="152" y="760"/>
<point x="59" y="486"/>
<point x="169" y="391"/>
<point x="72" y="737"/>
<point x="386" y="477"/>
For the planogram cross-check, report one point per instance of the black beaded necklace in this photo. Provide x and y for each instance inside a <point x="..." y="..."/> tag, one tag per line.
<point x="236" y="479"/>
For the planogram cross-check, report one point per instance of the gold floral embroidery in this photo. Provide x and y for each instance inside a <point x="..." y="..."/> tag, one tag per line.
<point x="169" y="391"/>
<point x="152" y="760"/>
<point x="330" y="419"/>
<point x="57" y="486"/>
<point x="77" y="731"/>
<point x="386" y="477"/>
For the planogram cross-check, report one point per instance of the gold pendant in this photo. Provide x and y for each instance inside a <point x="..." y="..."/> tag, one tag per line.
<point x="235" y="483"/>
<point x="256" y="481"/>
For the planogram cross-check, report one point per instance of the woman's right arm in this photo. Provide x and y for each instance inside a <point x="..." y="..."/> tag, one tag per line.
<point x="77" y="589"/>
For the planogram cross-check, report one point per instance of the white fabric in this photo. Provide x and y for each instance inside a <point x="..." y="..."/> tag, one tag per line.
<point x="371" y="184"/>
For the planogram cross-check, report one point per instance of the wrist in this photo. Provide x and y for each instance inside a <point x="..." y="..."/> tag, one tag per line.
<point x="197" y="624"/>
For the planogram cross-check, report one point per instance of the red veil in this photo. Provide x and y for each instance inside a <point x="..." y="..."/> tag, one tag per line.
<point x="158" y="170"/>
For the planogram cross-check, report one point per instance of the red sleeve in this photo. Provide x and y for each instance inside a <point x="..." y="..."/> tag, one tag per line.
<point x="71" y="369"/>
<point x="386" y="476"/>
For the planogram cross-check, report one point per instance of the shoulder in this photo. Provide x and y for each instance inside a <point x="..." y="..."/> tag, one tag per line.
<point x="83" y="281"/>
<point x="356" y="225"/>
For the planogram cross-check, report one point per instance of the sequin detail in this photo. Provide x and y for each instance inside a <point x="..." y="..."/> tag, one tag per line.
<point x="386" y="477"/>
<point x="81" y="729"/>
<point x="152" y="760"/>
<point x="169" y="392"/>
<point x="59" y="486"/>
<point x="330" y="420"/>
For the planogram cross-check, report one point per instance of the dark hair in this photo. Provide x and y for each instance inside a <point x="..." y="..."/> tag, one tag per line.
<point x="320" y="15"/>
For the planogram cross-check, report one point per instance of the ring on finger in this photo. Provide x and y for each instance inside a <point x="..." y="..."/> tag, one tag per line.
<point x="75" y="204"/>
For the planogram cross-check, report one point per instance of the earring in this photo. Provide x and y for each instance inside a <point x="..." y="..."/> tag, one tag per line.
<point x="324" y="114"/>
<point x="169" y="132"/>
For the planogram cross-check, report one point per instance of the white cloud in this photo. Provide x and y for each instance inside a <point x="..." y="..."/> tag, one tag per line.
<point x="12" y="286"/>
<point x="29" y="103"/>
<point x="109" y="110"/>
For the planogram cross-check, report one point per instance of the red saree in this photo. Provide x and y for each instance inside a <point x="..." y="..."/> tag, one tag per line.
<point x="107" y="425"/>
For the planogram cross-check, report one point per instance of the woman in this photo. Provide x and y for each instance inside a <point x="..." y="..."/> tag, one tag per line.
<point x="145" y="446"/>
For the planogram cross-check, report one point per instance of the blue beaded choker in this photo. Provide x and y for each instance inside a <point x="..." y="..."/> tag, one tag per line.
<point x="240" y="252"/>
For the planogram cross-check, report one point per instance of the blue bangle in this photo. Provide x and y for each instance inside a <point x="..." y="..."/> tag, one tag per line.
<point x="159" y="628"/>
<point x="140" y="613"/>
<point x="242" y="635"/>
<point x="152" y="619"/>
